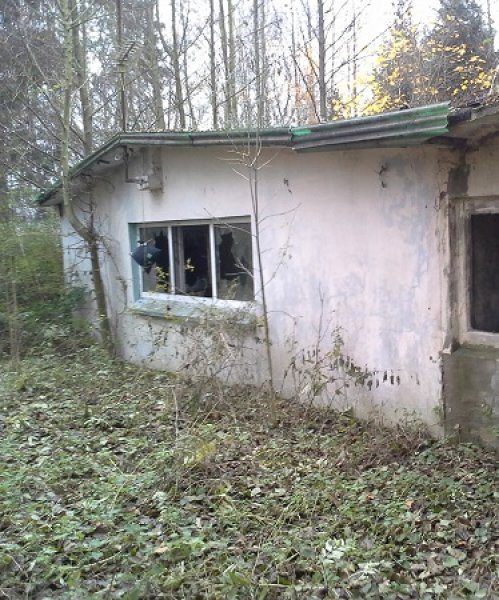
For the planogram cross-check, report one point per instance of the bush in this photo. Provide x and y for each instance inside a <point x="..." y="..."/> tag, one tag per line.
<point x="36" y="309"/>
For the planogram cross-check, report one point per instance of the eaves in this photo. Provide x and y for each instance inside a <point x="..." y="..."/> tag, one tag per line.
<point x="394" y="129"/>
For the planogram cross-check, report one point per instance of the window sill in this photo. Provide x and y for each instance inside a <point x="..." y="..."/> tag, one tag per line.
<point x="480" y="338"/>
<point x="194" y="310"/>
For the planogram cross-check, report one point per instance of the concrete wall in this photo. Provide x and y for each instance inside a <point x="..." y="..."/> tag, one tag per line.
<point x="355" y="240"/>
<point x="471" y="364"/>
<point x="78" y="270"/>
<point x="471" y="384"/>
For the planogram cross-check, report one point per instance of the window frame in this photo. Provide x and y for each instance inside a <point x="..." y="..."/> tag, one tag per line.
<point x="169" y="297"/>
<point x="464" y="208"/>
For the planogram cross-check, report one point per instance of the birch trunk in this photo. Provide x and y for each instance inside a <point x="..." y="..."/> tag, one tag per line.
<point x="322" y="62"/>
<point x="175" y="56"/>
<point x="213" y="73"/>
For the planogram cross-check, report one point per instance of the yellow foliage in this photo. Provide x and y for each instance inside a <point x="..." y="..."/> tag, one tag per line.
<point x="409" y="72"/>
<point x="200" y="454"/>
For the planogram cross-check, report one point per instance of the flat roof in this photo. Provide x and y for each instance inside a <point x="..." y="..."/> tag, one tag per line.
<point x="397" y="129"/>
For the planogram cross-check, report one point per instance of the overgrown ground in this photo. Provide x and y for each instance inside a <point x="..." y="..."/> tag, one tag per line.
<point x="122" y="483"/>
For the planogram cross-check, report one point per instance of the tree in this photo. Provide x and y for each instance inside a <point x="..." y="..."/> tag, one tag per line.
<point x="70" y="16"/>
<point x="29" y="111"/>
<point x="453" y="60"/>
<point x="460" y="52"/>
<point x="398" y="79"/>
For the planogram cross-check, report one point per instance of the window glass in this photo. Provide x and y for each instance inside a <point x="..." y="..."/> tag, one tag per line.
<point x="192" y="260"/>
<point x="485" y="272"/>
<point x="157" y="278"/>
<point x="234" y="261"/>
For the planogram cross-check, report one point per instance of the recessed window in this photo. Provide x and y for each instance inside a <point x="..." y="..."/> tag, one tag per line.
<point x="209" y="260"/>
<point x="484" y="272"/>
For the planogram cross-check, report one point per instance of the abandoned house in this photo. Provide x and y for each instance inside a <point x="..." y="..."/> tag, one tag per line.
<point x="369" y="246"/>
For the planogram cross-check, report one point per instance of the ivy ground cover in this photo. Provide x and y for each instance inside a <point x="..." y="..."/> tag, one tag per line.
<point x="118" y="482"/>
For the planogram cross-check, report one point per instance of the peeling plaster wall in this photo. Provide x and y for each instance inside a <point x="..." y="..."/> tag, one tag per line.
<point x="78" y="269"/>
<point x="365" y="235"/>
<point x="363" y="230"/>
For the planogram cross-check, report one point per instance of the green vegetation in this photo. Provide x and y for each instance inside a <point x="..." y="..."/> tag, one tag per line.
<point x="118" y="482"/>
<point x="36" y="308"/>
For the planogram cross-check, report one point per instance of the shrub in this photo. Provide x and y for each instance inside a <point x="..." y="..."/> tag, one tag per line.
<point x="36" y="309"/>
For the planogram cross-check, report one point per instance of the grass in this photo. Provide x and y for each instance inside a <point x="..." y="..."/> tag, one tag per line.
<point x="118" y="482"/>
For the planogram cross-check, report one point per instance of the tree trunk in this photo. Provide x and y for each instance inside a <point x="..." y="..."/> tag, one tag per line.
<point x="87" y="235"/>
<point x="258" y="47"/>
<point x="213" y="73"/>
<point x="175" y="56"/>
<point x="225" y="57"/>
<point x="152" y="59"/>
<point x="80" y="69"/>
<point x="354" y="60"/>
<point x="264" y="68"/>
<point x="13" y="311"/>
<point x="232" y="63"/>
<point x="322" y="62"/>
<point x="188" y="94"/>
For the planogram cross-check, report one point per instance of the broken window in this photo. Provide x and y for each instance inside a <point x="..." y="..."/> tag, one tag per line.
<point x="157" y="278"/>
<point x="206" y="260"/>
<point x="234" y="261"/>
<point x="484" y="272"/>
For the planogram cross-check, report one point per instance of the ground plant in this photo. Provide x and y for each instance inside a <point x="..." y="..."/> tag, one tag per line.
<point x="117" y="483"/>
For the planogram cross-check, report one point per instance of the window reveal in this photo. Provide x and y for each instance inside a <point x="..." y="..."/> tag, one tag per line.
<point x="207" y="260"/>
<point x="484" y="271"/>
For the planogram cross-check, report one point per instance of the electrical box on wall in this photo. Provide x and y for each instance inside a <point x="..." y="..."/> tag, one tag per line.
<point x="153" y="179"/>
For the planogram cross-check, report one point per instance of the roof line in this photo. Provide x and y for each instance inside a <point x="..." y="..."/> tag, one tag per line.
<point x="395" y="129"/>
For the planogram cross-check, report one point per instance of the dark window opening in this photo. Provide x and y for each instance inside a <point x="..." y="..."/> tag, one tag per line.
<point x="192" y="260"/>
<point x="485" y="272"/>
<point x="234" y="261"/>
<point x="158" y="278"/>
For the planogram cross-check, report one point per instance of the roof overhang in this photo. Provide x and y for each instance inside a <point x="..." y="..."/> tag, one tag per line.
<point x="395" y="129"/>
<point x="398" y="129"/>
<point x="475" y="125"/>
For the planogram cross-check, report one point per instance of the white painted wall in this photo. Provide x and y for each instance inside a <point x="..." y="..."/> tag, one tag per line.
<point x="363" y="229"/>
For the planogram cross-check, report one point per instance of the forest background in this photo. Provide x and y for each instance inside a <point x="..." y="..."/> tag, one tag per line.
<point x="148" y="65"/>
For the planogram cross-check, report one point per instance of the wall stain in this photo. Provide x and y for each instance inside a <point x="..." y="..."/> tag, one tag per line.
<point x="459" y="177"/>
